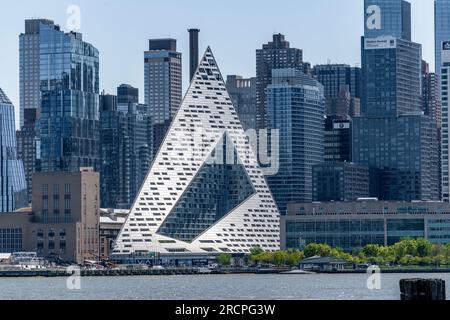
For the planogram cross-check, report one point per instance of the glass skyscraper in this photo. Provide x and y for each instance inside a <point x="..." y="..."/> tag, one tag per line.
<point x="441" y="28"/>
<point x="69" y="83"/>
<point x="404" y="151"/>
<point x="340" y="181"/>
<point x="392" y="137"/>
<point x="126" y="138"/>
<point x="394" y="17"/>
<point x="26" y="146"/>
<point x="60" y="79"/>
<point x="13" y="187"/>
<point x="395" y="88"/>
<point x="342" y="87"/>
<point x="296" y="107"/>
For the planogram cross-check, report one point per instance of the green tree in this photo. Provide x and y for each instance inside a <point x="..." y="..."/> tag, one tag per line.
<point x="256" y="251"/>
<point x="406" y="247"/>
<point x="423" y="247"/>
<point x="372" y="250"/>
<point x="437" y="250"/>
<point x="264" y="257"/>
<point x="280" y="258"/>
<point x="314" y="249"/>
<point x="439" y="260"/>
<point x="294" y="257"/>
<point x="224" y="259"/>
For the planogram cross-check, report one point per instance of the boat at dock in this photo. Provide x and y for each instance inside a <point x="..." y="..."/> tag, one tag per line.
<point x="297" y="272"/>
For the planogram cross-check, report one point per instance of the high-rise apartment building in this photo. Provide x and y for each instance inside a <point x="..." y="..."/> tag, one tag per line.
<point x="432" y="107"/>
<point x="126" y="142"/>
<point x="30" y="65"/>
<point x="276" y="54"/>
<point x="114" y="174"/>
<point x="13" y="190"/>
<point x="163" y="85"/>
<point x="338" y="139"/>
<point x="393" y="137"/>
<point x="395" y="88"/>
<point x="163" y="79"/>
<point x="340" y="181"/>
<point x="26" y="146"/>
<point x="127" y="94"/>
<point x="243" y="94"/>
<point x="441" y="29"/>
<point x="295" y="107"/>
<point x="60" y="78"/>
<point x="431" y="94"/>
<point x="445" y="136"/>
<point x="405" y="153"/>
<point x="342" y="88"/>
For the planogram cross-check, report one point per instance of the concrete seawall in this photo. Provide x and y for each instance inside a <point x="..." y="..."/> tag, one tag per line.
<point x="188" y="271"/>
<point x="96" y="273"/>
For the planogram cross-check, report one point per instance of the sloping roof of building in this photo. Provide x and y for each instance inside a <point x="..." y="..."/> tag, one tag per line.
<point x="3" y="98"/>
<point x="322" y="260"/>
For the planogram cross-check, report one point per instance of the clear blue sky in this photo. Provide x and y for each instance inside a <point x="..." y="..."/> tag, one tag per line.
<point x="326" y="30"/>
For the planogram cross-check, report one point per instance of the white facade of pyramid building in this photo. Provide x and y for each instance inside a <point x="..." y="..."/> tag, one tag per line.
<point x="188" y="204"/>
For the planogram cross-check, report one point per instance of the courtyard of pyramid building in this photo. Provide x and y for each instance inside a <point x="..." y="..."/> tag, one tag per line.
<point x="205" y="193"/>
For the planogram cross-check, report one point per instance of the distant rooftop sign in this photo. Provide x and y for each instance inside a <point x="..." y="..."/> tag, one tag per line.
<point x="380" y="43"/>
<point x="446" y="45"/>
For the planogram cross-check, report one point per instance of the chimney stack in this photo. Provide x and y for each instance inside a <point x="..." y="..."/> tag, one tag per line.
<point x="193" y="51"/>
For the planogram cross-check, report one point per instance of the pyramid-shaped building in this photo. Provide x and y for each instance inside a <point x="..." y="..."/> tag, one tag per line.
<point x="205" y="193"/>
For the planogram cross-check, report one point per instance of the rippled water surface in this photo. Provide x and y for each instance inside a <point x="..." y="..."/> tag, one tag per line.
<point x="217" y="287"/>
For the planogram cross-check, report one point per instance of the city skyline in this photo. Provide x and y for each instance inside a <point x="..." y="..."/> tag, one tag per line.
<point x="345" y="16"/>
<point x="321" y="147"/>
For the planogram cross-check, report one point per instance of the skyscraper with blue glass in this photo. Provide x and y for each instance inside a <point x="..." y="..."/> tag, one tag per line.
<point x="393" y="137"/>
<point x="13" y="188"/>
<point x="441" y="28"/>
<point x="295" y="107"/>
<point x="65" y="71"/>
<point x="126" y="147"/>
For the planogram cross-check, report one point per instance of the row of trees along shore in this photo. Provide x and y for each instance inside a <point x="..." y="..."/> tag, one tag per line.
<point x="408" y="252"/>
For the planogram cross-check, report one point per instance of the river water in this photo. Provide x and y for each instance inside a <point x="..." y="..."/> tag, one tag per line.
<point x="210" y="287"/>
